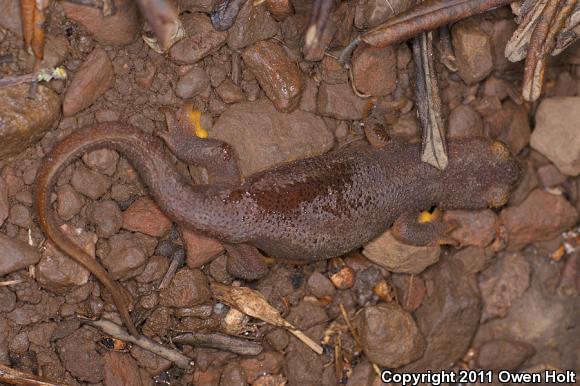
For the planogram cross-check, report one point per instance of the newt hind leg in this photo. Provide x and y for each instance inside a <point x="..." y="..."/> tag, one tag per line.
<point x="182" y="138"/>
<point x="423" y="229"/>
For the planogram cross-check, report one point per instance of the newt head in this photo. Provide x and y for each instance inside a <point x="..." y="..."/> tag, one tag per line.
<point x="481" y="173"/>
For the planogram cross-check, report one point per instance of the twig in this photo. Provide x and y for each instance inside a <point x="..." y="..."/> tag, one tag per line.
<point x="219" y="341"/>
<point x="42" y="75"/>
<point x="177" y="259"/>
<point x="434" y="151"/>
<point x="118" y="332"/>
<point x="318" y="20"/>
<point x="15" y="377"/>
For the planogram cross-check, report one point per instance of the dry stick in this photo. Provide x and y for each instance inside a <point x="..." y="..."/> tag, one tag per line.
<point x="515" y="47"/>
<point x="118" y="332"/>
<point x="318" y="21"/>
<point x="428" y="103"/>
<point x="536" y="59"/>
<point x="15" y="377"/>
<point x="219" y="341"/>
<point x="426" y="16"/>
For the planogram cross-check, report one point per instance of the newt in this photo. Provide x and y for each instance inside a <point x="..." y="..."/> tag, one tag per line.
<point x="305" y="210"/>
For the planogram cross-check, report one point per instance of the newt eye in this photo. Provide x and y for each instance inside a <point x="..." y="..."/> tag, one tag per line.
<point x="500" y="150"/>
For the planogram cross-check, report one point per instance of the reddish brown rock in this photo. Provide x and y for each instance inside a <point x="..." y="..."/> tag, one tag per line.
<point x="202" y="39"/>
<point x="229" y="92"/>
<point x="252" y="24"/>
<point x="68" y="203"/>
<point x="128" y="253"/>
<point x="24" y="120"/>
<point x="396" y="256"/>
<point x="542" y="216"/>
<point x="102" y="160"/>
<point x="89" y="182"/>
<point x="549" y="176"/>
<point x="503" y="354"/>
<point x="278" y="76"/>
<point x="262" y="136"/>
<point x="121" y="369"/>
<point x="15" y="255"/>
<point x="106" y="216"/>
<point x="340" y="102"/>
<point x="200" y="249"/>
<point x="10" y="17"/>
<point x="192" y="83"/>
<point x="374" y="70"/>
<point x="557" y="136"/>
<point x="145" y="216"/>
<point x="188" y="288"/>
<point x="475" y="228"/>
<point x="472" y="48"/>
<point x="502" y="283"/>
<point x="389" y="335"/>
<point x="268" y="362"/>
<point x="448" y="317"/>
<point x="410" y="291"/>
<point x="4" y="205"/>
<point x="464" y="121"/>
<point x="92" y="79"/>
<point x="510" y="125"/>
<point x="117" y="30"/>
<point x="332" y="71"/>
<point x="79" y="355"/>
<point x="57" y="271"/>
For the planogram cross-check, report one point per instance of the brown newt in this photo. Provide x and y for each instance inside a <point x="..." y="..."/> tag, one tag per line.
<point x="305" y="210"/>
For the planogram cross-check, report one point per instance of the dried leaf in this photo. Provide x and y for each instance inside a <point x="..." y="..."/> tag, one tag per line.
<point x="254" y="304"/>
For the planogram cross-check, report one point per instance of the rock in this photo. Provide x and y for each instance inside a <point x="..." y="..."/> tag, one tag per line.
<point x="192" y="83"/>
<point x="106" y="216"/>
<point x="549" y="176"/>
<point x="56" y="270"/>
<point x="20" y="215"/>
<point x="340" y="102"/>
<point x="362" y="374"/>
<point x="232" y="374"/>
<point x="4" y="204"/>
<point x="278" y="76"/>
<point x="47" y="308"/>
<point x="10" y="17"/>
<point x="473" y="227"/>
<point x="127" y="255"/>
<point x="502" y="283"/>
<point x="91" y="80"/>
<point x="252" y="24"/>
<point x="556" y="134"/>
<point x="120" y="369"/>
<point x="373" y="70"/>
<point x="68" y="202"/>
<point x="464" y="121"/>
<point x="344" y="278"/>
<point x="268" y="362"/>
<point x="448" y="317"/>
<point x="411" y="290"/>
<point x="79" y="355"/>
<point x="389" y="335"/>
<point x="528" y="182"/>
<point x="158" y="322"/>
<point x="202" y="39"/>
<point x="102" y="160"/>
<point x="278" y="339"/>
<point x="366" y="281"/>
<point x="15" y="255"/>
<point x="472" y="48"/>
<point x="145" y="216"/>
<point x="7" y="300"/>
<point x="24" y="120"/>
<point x="371" y="13"/>
<point x="229" y="92"/>
<point x="56" y="49"/>
<point x="117" y="30"/>
<point x="263" y="137"/>
<point x="154" y="269"/>
<point x="503" y="30"/>
<point x="503" y="354"/>
<point x="303" y="368"/>
<point x="474" y="259"/>
<point x="308" y="100"/>
<point x="332" y="71"/>
<point x="542" y="216"/>
<point x="395" y="256"/>
<point x="152" y="363"/>
<point x="200" y="249"/>
<point x="188" y="288"/>
<point x="510" y="125"/>
<point x="319" y="285"/>
<point x="89" y="182"/>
